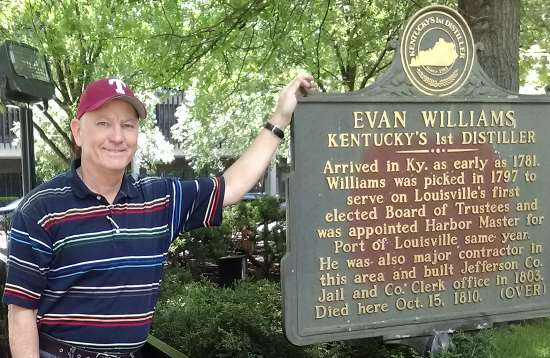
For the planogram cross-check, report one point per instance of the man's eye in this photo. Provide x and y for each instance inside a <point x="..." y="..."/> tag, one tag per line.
<point x="102" y="124"/>
<point x="129" y="125"/>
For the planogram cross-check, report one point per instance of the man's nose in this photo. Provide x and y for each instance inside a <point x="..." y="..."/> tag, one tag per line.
<point x="116" y="134"/>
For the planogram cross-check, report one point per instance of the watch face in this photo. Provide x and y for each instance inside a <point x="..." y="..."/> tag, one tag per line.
<point x="437" y="51"/>
<point x="28" y="63"/>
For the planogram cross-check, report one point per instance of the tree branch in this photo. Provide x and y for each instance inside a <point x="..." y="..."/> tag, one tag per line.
<point x="51" y="143"/>
<point x="341" y="64"/>
<point x="319" y="40"/>
<point x="374" y="67"/>
<point x="207" y="44"/>
<point x="62" y="85"/>
<point x="56" y="126"/>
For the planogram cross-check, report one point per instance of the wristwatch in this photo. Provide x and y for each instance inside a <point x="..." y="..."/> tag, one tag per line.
<point x="275" y="130"/>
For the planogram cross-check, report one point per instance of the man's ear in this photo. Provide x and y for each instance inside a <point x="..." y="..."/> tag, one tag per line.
<point x="75" y="129"/>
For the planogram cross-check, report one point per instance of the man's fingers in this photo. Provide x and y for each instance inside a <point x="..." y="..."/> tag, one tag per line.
<point x="305" y="84"/>
<point x="300" y="86"/>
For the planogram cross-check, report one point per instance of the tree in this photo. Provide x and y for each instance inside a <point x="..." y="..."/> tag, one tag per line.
<point x="345" y="44"/>
<point x="82" y="41"/>
<point x="234" y="54"/>
<point x="495" y="27"/>
<point x="535" y="27"/>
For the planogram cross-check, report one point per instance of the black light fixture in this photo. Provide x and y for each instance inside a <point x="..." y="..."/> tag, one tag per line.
<point x="25" y="78"/>
<point x="25" y="73"/>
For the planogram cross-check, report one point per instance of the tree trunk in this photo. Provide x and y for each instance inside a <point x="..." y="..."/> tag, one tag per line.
<point x="495" y="26"/>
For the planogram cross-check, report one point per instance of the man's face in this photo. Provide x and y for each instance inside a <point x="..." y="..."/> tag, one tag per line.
<point x="108" y="136"/>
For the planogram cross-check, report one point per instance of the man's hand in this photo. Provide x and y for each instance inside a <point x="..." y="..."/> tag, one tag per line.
<point x="247" y="170"/>
<point x="288" y="98"/>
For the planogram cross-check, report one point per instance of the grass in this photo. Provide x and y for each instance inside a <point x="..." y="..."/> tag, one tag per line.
<point x="529" y="339"/>
<point x="525" y="340"/>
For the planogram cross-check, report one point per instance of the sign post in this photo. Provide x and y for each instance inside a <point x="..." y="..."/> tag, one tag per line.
<point x="25" y="78"/>
<point x="27" y="149"/>
<point x="418" y="204"/>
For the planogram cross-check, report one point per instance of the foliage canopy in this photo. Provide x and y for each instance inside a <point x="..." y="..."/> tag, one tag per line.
<point x="231" y="56"/>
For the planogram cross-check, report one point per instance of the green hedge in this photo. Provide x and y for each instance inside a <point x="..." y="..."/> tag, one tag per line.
<point x="204" y="321"/>
<point x="246" y="221"/>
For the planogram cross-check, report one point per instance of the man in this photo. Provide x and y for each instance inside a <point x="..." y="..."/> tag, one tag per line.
<point x="87" y="248"/>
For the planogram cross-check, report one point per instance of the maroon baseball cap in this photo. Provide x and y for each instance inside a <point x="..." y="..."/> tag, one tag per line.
<point x="99" y="92"/>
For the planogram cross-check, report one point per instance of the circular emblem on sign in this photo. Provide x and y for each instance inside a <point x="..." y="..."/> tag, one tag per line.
<point x="437" y="50"/>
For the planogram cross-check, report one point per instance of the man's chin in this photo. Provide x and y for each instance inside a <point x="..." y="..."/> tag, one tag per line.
<point x="116" y="164"/>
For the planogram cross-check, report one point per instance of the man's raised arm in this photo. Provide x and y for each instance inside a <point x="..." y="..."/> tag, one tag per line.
<point x="248" y="169"/>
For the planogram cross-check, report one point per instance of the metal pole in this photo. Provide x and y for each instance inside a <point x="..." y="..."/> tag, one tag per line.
<point x="27" y="150"/>
<point x="426" y="346"/>
<point x="271" y="180"/>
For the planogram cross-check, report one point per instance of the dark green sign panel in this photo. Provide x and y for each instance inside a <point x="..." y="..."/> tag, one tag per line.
<point x="419" y="203"/>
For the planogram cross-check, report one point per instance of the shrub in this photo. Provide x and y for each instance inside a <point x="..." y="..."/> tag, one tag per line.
<point x="204" y="321"/>
<point x="202" y="245"/>
<point x="471" y="345"/>
<point x="261" y="221"/>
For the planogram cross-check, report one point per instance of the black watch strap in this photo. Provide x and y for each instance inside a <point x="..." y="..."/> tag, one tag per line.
<point x="275" y="130"/>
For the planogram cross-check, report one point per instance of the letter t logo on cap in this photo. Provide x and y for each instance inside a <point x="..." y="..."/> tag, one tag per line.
<point x="101" y="91"/>
<point x="119" y="85"/>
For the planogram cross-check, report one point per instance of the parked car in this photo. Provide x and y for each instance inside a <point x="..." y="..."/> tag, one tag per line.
<point x="252" y="196"/>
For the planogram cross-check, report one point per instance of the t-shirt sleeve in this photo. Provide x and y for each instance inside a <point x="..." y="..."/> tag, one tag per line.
<point x="29" y="257"/>
<point x="197" y="203"/>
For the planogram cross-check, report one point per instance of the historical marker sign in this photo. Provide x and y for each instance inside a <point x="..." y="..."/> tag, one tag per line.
<point x="418" y="203"/>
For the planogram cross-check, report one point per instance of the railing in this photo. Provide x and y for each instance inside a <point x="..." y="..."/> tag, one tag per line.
<point x="10" y="181"/>
<point x="155" y="348"/>
<point x="10" y="185"/>
<point x="7" y="119"/>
